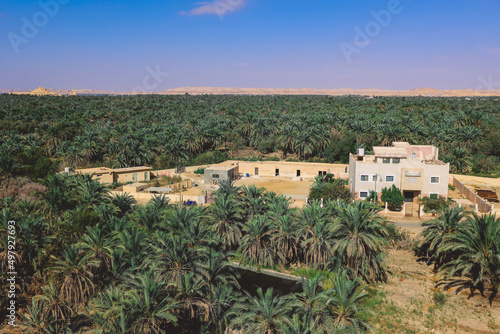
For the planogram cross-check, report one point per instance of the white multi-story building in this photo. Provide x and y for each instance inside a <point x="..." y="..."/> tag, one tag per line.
<point x="415" y="169"/>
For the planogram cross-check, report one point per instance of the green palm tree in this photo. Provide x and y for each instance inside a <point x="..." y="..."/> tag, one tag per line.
<point x="262" y="314"/>
<point x="311" y="299"/>
<point x="477" y="247"/>
<point x="343" y="301"/>
<point x="73" y="276"/>
<point x="93" y="193"/>
<point x="35" y="321"/>
<point x="360" y="241"/>
<point x="55" y="308"/>
<point x="174" y="256"/>
<point x="437" y="233"/>
<point x="147" y="304"/>
<point x="124" y="203"/>
<point x="160" y="201"/>
<point x="97" y="247"/>
<point x="256" y="244"/>
<point x="301" y="325"/>
<point x="224" y="216"/>
<point x="284" y="239"/>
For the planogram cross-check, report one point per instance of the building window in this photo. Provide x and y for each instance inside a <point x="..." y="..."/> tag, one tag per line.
<point x="215" y="176"/>
<point x="386" y="160"/>
<point x="365" y="177"/>
<point x="389" y="178"/>
<point x="145" y="176"/>
<point x="374" y="178"/>
<point x="434" y="195"/>
<point x="322" y="173"/>
<point x="363" y="194"/>
<point x="396" y="160"/>
<point x="134" y="177"/>
<point x="434" y="179"/>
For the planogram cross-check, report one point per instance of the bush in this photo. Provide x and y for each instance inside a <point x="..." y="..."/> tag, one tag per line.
<point x="200" y="170"/>
<point x="393" y="196"/>
<point x="329" y="188"/>
<point x="432" y="204"/>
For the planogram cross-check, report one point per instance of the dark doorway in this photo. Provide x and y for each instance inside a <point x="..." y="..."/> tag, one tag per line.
<point x="277" y="172"/>
<point x="298" y="172"/>
<point x="409" y="195"/>
<point x="256" y="171"/>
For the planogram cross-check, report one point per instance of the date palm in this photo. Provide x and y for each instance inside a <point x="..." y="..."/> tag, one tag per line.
<point x="310" y="300"/>
<point x="284" y="239"/>
<point x="124" y="203"/>
<point x="73" y="276"/>
<point x="360" y="241"/>
<point x="477" y="247"/>
<point x="256" y="244"/>
<point x="437" y="233"/>
<point x="265" y="313"/>
<point x="343" y="301"/>
<point x="55" y="308"/>
<point x="173" y="256"/>
<point x="224" y="216"/>
<point x="148" y="305"/>
<point x="97" y="247"/>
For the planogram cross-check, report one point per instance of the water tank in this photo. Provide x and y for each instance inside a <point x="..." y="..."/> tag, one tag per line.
<point x="361" y="151"/>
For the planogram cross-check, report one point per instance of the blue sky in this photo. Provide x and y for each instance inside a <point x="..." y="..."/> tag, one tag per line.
<point x="115" y="44"/>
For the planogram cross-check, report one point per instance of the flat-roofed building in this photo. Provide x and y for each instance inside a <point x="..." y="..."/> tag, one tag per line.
<point x="121" y="175"/>
<point x="287" y="169"/>
<point x="221" y="173"/>
<point x="415" y="169"/>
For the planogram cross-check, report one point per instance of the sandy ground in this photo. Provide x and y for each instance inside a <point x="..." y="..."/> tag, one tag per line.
<point x="409" y="306"/>
<point x="271" y="91"/>
<point x="279" y="185"/>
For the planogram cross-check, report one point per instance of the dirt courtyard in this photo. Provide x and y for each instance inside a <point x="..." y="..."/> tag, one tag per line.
<point x="285" y="186"/>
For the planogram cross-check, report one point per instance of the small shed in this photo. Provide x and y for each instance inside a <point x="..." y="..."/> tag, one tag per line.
<point x="223" y="173"/>
<point x="134" y="187"/>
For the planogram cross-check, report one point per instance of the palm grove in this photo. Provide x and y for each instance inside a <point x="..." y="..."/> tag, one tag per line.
<point x="89" y="260"/>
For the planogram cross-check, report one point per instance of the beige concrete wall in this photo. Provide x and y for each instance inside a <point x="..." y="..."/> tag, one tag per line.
<point x="288" y="169"/>
<point x="128" y="176"/>
<point x="173" y="198"/>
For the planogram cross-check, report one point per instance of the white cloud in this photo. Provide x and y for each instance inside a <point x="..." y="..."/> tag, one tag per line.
<point x="216" y="7"/>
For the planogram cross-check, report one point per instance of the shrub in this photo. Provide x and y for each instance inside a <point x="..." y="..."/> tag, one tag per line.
<point x="329" y="188"/>
<point x="200" y="170"/>
<point x="393" y="196"/>
<point x="432" y="204"/>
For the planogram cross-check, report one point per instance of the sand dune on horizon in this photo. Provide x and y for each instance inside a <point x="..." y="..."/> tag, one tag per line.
<point x="270" y="91"/>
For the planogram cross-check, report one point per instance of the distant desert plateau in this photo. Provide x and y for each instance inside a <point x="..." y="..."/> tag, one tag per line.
<point x="268" y="91"/>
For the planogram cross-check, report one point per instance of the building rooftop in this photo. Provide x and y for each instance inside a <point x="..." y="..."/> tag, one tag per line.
<point x="94" y="170"/>
<point x="131" y="169"/>
<point x="390" y="152"/>
<point x="218" y="167"/>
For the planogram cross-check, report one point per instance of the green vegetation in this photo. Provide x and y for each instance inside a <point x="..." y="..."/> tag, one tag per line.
<point x="200" y="170"/>
<point x="433" y="204"/>
<point x="328" y="188"/>
<point x="102" y="263"/>
<point x="89" y="261"/>
<point x="465" y="245"/>
<point x="393" y="197"/>
<point x="122" y="131"/>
